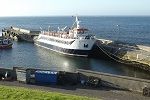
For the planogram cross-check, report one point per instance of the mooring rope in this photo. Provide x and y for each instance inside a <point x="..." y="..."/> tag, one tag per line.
<point x="109" y="55"/>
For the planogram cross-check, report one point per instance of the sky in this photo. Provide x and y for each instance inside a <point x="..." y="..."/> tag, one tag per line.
<point x="73" y="7"/>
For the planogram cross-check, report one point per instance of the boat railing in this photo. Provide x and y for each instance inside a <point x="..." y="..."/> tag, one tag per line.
<point x="59" y="34"/>
<point x="66" y="35"/>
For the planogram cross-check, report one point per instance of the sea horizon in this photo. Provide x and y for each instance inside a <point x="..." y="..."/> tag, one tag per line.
<point x="79" y="16"/>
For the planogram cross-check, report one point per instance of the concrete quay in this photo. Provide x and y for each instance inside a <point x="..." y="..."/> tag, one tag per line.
<point x="126" y="53"/>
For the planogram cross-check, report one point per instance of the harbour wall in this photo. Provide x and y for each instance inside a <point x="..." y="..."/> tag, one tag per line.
<point x="122" y="82"/>
<point x="107" y="80"/>
<point x="21" y="34"/>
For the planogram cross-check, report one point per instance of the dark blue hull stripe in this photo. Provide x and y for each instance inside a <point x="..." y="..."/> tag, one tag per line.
<point x="65" y="51"/>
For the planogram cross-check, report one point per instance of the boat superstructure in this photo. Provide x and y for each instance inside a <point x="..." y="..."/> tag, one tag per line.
<point x="75" y="41"/>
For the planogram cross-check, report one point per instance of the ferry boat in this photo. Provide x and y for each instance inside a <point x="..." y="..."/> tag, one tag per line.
<point x="76" y="41"/>
<point x="5" y="43"/>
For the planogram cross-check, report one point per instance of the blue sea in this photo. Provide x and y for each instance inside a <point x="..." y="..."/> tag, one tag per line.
<point x="126" y="29"/>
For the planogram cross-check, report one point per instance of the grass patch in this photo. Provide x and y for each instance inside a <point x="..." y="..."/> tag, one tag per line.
<point x="20" y="93"/>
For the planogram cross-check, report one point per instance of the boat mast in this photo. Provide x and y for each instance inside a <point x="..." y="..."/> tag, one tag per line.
<point x="77" y="23"/>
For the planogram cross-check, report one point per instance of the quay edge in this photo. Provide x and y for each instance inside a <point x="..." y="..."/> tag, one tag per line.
<point x="125" y="53"/>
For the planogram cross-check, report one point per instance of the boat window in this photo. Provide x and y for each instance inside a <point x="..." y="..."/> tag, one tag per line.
<point x="87" y="37"/>
<point x="85" y="45"/>
<point x="80" y="32"/>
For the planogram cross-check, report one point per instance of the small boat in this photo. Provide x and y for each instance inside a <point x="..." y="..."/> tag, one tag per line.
<point x="5" y="43"/>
